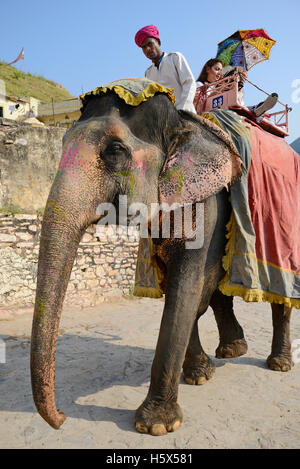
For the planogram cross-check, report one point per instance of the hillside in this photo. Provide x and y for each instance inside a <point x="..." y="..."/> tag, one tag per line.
<point x="296" y="145"/>
<point x="25" y="84"/>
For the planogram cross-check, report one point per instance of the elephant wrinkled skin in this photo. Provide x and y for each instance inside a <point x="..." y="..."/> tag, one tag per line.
<point x="113" y="150"/>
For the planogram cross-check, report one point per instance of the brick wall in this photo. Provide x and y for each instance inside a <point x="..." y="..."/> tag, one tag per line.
<point x="102" y="267"/>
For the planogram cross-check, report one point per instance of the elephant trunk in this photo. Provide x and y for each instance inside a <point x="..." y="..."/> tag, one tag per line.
<point x="70" y="209"/>
<point x="58" y="248"/>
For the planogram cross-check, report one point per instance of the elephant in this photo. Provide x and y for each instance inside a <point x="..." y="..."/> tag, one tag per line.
<point x="117" y="149"/>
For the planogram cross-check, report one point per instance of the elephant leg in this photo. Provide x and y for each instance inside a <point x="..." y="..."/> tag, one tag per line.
<point x="197" y="367"/>
<point x="281" y="355"/>
<point x="160" y="412"/>
<point x="232" y="342"/>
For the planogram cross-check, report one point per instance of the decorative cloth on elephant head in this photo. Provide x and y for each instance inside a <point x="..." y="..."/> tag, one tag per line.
<point x="189" y="173"/>
<point x="132" y="90"/>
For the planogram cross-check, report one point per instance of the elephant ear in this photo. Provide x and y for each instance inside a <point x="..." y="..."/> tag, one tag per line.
<point x="203" y="161"/>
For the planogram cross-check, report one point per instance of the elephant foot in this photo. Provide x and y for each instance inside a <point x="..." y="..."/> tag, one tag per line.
<point x="158" y="418"/>
<point x="231" y="350"/>
<point x="198" y="370"/>
<point x="280" y="362"/>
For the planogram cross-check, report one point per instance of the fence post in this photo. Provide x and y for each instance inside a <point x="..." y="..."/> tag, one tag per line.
<point x="53" y="111"/>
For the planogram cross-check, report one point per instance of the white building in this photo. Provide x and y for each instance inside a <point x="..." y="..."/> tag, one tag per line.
<point x="18" y="108"/>
<point x="32" y="110"/>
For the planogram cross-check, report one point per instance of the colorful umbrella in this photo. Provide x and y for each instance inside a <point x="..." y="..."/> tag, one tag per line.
<point x="245" y="48"/>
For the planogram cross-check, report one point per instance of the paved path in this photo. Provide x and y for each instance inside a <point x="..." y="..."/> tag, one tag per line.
<point x="104" y="357"/>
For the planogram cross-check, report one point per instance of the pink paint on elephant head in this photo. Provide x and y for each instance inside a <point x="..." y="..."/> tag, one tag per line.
<point x="68" y="157"/>
<point x="139" y="159"/>
<point x="187" y="157"/>
<point x="72" y="158"/>
<point x="139" y="164"/>
<point x="187" y="179"/>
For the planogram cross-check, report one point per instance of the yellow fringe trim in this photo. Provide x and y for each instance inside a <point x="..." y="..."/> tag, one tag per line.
<point x="212" y="118"/>
<point x="158" y="272"/>
<point x="147" y="292"/>
<point x="130" y="99"/>
<point x="151" y="292"/>
<point x="249" y="295"/>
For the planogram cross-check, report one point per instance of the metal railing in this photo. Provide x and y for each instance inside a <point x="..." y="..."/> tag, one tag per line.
<point x="227" y="89"/>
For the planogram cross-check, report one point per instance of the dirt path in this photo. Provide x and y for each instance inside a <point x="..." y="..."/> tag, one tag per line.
<point x="104" y="358"/>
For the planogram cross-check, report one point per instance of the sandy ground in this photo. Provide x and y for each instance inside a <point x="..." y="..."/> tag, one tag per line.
<point x="104" y="357"/>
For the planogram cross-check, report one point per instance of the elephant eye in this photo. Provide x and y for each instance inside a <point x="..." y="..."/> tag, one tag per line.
<point x="116" y="147"/>
<point x="115" y="155"/>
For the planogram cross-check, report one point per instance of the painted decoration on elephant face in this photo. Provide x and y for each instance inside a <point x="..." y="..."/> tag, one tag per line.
<point x="186" y="179"/>
<point x="75" y="156"/>
<point x="138" y="161"/>
<point x="68" y="157"/>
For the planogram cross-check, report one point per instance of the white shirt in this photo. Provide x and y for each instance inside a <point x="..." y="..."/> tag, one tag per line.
<point x="174" y="72"/>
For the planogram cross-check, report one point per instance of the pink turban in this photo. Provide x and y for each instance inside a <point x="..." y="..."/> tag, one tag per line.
<point x="146" y="31"/>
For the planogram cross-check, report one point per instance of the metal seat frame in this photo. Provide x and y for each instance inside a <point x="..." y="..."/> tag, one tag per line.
<point x="223" y="94"/>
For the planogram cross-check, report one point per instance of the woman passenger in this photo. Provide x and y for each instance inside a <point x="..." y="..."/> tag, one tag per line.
<point x="213" y="71"/>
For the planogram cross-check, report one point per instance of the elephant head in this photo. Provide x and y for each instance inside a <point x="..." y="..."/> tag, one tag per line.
<point x="148" y="152"/>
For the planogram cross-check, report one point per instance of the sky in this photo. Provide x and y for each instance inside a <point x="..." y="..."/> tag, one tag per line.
<point x="84" y="44"/>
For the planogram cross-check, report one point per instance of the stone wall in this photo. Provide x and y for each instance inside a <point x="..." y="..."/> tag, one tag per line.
<point x="101" y="268"/>
<point x="29" y="158"/>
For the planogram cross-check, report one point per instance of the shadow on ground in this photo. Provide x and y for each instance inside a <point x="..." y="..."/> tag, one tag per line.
<point x="86" y="366"/>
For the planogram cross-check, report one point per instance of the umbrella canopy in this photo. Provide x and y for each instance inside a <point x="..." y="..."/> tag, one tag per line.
<point x="245" y="48"/>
